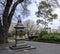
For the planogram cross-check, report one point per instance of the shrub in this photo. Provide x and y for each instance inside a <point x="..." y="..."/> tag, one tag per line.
<point x="45" y="37"/>
<point x="33" y="37"/>
<point x="10" y="36"/>
<point x="42" y="33"/>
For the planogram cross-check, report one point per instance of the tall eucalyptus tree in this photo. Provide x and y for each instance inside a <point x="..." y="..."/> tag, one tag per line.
<point x="45" y="12"/>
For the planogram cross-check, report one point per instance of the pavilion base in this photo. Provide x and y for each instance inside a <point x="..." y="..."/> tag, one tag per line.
<point x="27" y="47"/>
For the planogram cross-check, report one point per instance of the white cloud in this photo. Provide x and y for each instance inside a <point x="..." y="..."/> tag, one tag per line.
<point x="33" y="9"/>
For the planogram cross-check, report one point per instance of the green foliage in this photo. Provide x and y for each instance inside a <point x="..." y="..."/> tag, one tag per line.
<point x="48" y="37"/>
<point x="54" y="16"/>
<point x="36" y="38"/>
<point x="40" y="35"/>
<point x="39" y="21"/>
<point x="43" y="33"/>
<point x="51" y="37"/>
<point x="45" y="11"/>
<point x="11" y="36"/>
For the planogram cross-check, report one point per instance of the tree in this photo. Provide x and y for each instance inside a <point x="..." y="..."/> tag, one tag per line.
<point x="29" y="24"/>
<point x="54" y="3"/>
<point x="8" y="12"/>
<point x="31" y="27"/>
<point x="45" y="12"/>
<point x="7" y="15"/>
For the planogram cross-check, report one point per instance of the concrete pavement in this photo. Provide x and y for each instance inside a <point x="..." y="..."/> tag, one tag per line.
<point x="41" y="48"/>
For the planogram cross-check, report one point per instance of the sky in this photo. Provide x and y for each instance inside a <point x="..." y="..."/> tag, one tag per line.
<point x="33" y="8"/>
<point x="56" y="22"/>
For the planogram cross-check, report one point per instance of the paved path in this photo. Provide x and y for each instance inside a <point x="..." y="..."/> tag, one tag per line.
<point x="42" y="48"/>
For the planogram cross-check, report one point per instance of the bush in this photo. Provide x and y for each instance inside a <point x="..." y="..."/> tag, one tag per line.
<point x="45" y="37"/>
<point x="57" y="38"/>
<point x="42" y="33"/>
<point x="10" y="36"/>
<point x="33" y="38"/>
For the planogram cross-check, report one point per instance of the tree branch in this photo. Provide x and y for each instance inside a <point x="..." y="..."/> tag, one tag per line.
<point x="13" y="10"/>
<point x="53" y="4"/>
<point x="6" y="11"/>
<point x="0" y="23"/>
<point x="2" y="3"/>
<point x="57" y="3"/>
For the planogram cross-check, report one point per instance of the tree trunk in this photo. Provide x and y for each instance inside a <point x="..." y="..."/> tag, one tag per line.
<point x="7" y="20"/>
<point x="3" y="35"/>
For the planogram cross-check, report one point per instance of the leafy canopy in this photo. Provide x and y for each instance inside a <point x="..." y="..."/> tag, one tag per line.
<point x="45" y="11"/>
